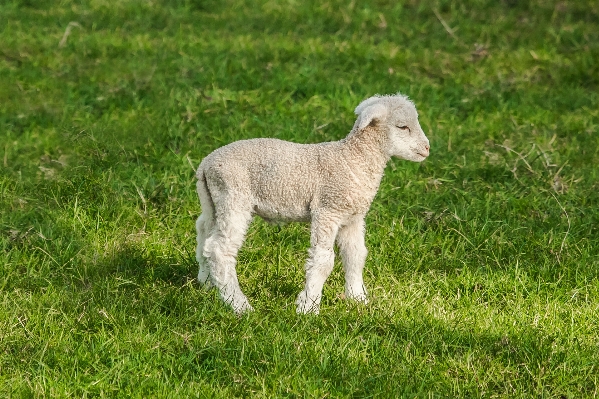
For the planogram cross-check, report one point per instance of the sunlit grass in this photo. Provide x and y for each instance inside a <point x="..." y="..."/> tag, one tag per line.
<point x="483" y="268"/>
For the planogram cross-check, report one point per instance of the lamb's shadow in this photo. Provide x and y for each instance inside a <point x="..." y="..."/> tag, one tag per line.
<point x="270" y="263"/>
<point x="137" y="263"/>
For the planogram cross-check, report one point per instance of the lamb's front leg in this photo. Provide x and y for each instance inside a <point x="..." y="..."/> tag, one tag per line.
<point x="321" y="259"/>
<point x="353" y="254"/>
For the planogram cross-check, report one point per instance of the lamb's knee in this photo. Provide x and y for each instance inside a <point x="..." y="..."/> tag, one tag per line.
<point x="220" y="258"/>
<point x="221" y="248"/>
<point x="357" y="250"/>
<point x="204" y="226"/>
<point x="353" y="256"/>
<point x="362" y="250"/>
<point x="216" y="251"/>
<point x="320" y="259"/>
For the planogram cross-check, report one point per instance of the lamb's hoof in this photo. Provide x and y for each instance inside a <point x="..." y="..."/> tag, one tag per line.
<point x="307" y="305"/>
<point x="205" y="285"/>
<point x="239" y="303"/>
<point x="358" y="297"/>
<point x="302" y="309"/>
<point x="242" y="308"/>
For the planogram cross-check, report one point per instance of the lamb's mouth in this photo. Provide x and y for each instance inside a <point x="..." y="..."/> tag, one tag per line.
<point x="422" y="155"/>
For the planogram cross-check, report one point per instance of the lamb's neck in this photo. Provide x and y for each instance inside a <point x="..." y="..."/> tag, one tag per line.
<point x="368" y="151"/>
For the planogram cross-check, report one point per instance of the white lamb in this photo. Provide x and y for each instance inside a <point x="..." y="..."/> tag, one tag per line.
<point x="329" y="184"/>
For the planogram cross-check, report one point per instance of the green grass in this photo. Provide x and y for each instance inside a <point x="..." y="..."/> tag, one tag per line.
<point x="484" y="260"/>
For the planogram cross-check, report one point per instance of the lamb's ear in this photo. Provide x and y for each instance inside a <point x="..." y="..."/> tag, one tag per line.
<point x="372" y="112"/>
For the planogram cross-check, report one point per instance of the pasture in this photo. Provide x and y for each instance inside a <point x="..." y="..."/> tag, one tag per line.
<point x="483" y="270"/>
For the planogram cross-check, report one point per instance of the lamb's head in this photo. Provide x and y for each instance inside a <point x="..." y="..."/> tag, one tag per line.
<point x="395" y="115"/>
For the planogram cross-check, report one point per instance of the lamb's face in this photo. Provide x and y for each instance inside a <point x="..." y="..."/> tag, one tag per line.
<point x="408" y="141"/>
<point x="397" y="115"/>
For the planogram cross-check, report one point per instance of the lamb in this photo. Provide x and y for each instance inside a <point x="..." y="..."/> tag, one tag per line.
<point x="329" y="184"/>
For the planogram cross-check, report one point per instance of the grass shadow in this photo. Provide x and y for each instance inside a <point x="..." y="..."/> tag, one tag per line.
<point x="139" y="264"/>
<point x="362" y="354"/>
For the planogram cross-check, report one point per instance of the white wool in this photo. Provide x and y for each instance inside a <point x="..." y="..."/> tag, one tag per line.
<point x="331" y="185"/>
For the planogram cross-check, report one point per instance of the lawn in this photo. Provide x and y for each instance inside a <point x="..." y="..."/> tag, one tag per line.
<point x="483" y="270"/>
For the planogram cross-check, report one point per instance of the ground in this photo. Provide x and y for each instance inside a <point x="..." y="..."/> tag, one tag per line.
<point x="484" y="260"/>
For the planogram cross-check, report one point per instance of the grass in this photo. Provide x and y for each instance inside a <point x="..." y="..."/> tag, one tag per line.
<point x="484" y="260"/>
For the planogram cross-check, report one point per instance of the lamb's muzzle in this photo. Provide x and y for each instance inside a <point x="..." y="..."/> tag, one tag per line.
<point x="329" y="184"/>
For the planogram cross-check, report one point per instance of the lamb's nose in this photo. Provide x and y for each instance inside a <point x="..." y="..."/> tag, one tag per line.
<point x="427" y="148"/>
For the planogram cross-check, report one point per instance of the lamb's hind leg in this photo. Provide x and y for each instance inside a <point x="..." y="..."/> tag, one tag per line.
<point x="204" y="226"/>
<point x="220" y="250"/>
<point x="321" y="258"/>
<point x="353" y="254"/>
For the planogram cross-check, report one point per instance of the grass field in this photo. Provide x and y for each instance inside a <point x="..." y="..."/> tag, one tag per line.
<point x="483" y="268"/>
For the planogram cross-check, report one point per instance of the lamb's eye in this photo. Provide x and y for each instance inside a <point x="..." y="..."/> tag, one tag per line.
<point x="404" y="128"/>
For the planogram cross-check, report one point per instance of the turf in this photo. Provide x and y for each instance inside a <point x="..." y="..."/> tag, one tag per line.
<point x="483" y="268"/>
